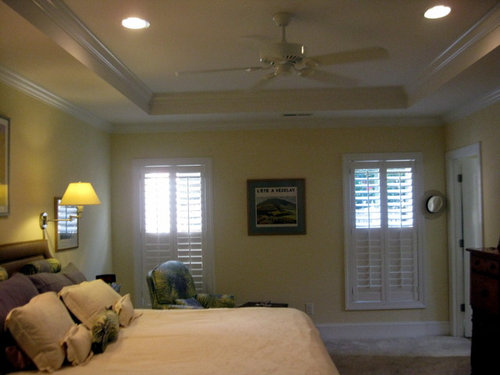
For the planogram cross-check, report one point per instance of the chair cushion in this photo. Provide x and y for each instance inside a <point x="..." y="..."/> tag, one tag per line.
<point x="189" y="303"/>
<point x="215" y="300"/>
<point x="172" y="280"/>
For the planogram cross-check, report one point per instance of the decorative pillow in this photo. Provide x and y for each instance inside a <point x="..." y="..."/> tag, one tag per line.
<point x="38" y="327"/>
<point x="189" y="303"/>
<point x="49" y="282"/>
<point x="73" y="273"/>
<point x="43" y="265"/>
<point x="87" y="299"/>
<point x="14" y="292"/>
<point x="215" y="300"/>
<point x="4" y="275"/>
<point x="104" y="330"/>
<point x="78" y="342"/>
<point x="125" y="310"/>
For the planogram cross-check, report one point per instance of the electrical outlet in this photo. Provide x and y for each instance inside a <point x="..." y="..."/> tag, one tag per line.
<point x="310" y="308"/>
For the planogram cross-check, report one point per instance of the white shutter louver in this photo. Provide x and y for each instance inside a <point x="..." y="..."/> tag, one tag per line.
<point x="383" y="259"/>
<point x="173" y="201"/>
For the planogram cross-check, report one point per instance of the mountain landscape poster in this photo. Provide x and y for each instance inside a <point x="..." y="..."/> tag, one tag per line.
<point x="276" y="206"/>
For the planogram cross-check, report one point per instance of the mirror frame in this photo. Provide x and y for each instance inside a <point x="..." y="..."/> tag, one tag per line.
<point x="425" y="204"/>
<point x="4" y="166"/>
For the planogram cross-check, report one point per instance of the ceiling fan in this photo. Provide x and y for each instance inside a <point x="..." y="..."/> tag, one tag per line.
<point x="285" y="58"/>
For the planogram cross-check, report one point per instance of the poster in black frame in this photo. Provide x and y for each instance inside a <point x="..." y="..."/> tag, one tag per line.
<point x="276" y="206"/>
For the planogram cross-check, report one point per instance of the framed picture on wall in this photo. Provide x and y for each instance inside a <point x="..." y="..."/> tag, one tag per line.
<point x="276" y="206"/>
<point x="66" y="226"/>
<point x="4" y="166"/>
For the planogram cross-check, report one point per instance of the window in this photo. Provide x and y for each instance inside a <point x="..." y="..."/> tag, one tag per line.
<point x="383" y="231"/>
<point x="174" y="218"/>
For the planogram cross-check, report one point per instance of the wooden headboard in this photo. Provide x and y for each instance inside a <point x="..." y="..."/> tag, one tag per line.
<point x="15" y="255"/>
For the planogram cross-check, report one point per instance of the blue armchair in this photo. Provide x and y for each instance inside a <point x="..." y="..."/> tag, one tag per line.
<point x="171" y="286"/>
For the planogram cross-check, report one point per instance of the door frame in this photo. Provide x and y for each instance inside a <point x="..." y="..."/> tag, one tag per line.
<point x="458" y="274"/>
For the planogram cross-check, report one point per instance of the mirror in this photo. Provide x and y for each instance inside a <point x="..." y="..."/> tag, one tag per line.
<point x="66" y="226"/>
<point x="434" y="204"/>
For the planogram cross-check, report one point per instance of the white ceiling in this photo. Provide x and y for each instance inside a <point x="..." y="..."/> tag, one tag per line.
<point x="76" y="55"/>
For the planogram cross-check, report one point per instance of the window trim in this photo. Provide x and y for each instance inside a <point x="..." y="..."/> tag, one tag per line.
<point x="349" y="226"/>
<point x="208" y="252"/>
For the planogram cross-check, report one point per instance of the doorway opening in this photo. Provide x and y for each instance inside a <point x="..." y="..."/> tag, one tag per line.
<point x="465" y="230"/>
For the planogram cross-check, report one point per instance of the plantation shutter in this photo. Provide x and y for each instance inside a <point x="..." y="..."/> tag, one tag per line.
<point x="383" y="260"/>
<point x="173" y="222"/>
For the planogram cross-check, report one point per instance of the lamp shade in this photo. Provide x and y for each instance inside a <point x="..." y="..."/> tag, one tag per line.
<point x="79" y="194"/>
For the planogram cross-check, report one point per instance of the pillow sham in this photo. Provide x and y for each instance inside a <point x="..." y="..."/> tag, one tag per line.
<point x="50" y="282"/>
<point x="87" y="299"/>
<point x="38" y="327"/>
<point x="14" y="292"/>
<point x="43" y="265"/>
<point x="78" y="342"/>
<point x="104" y="330"/>
<point x="125" y="310"/>
<point x="4" y="275"/>
<point x="73" y="273"/>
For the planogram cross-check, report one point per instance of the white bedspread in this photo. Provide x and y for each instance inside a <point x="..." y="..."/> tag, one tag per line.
<point x="253" y="341"/>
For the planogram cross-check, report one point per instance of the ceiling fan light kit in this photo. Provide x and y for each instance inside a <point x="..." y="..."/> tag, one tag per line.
<point x="274" y="53"/>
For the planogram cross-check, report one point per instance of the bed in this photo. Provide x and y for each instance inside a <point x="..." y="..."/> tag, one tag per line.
<point x="248" y="340"/>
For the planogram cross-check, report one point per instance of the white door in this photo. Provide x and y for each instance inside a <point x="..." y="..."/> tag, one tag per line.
<point x="465" y="230"/>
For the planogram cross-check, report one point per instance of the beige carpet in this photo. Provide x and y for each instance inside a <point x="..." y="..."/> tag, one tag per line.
<point x="436" y="355"/>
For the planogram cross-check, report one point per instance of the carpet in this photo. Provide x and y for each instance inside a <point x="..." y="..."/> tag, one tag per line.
<point x="433" y="355"/>
<point x="400" y="365"/>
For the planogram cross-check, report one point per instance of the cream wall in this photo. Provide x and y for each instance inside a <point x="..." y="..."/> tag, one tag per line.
<point x="484" y="127"/>
<point x="293" y="269"/>
<point x="49" y="149"/>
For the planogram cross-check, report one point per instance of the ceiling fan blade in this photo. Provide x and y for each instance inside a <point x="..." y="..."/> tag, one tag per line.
<point x="264" y="81"/>
<point x="327" y="77"/>
<point x="246" y="69"/>
<point x="355" y="55"/>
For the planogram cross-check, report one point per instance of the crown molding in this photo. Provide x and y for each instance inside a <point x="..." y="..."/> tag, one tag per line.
<point x="337" y="99"/>
<point x="57" y="21"/>
<point x="466" y="110"/>
<point x="315" y="122"/>
<point x="22" y="84"/>
<point x="478" y="41"/>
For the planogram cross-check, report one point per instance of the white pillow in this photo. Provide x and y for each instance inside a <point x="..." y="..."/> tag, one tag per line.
<point x="125" y="310"/>
<point x="87" y="299"/>
<point x="38" y="328"/>
<point x="78" y="341"/>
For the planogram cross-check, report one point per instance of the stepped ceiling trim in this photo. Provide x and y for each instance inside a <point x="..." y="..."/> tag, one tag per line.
<point x="55" y="19"/>
<point x="58" y="22"/>
<point x="16" y="81"/>
<point x="474" y="44"/>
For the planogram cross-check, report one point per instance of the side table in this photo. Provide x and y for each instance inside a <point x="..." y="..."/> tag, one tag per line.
<point x="264" y="304"/>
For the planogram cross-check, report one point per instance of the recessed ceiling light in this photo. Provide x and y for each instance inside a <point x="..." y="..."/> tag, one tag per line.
<point x="439" y="11"/>
<point x="135" y="23"/>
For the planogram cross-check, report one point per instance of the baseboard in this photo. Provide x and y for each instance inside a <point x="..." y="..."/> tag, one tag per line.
<point x="383" y="330"/>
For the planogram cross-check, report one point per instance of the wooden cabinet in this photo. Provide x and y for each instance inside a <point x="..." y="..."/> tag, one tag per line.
<point x="485" y="302"/>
